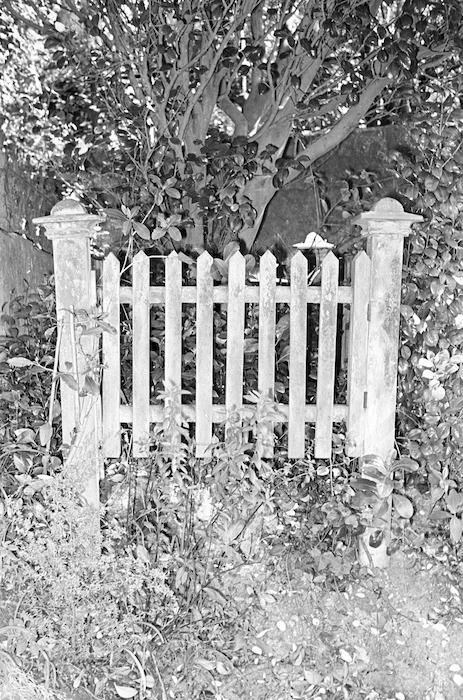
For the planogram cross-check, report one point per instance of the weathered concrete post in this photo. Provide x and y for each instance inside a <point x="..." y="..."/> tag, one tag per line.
<point x="70" y="228"/>
<point x="385" y="228"/>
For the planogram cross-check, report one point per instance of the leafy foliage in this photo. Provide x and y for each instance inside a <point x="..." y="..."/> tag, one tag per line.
<point x="430" y="366"/>
<point x="70" y="610"/>
<point x="194" y="113"/>
<point x="27" y="352"/>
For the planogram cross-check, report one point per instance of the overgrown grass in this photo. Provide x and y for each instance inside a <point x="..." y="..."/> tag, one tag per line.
<point x="177" y="534"/>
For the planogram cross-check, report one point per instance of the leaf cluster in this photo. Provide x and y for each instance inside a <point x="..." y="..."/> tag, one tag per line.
<point x="27" y="351"/>
<point x="78" y="611"/>
<point x="430" y="365"/>
<point x="196" y="112"/>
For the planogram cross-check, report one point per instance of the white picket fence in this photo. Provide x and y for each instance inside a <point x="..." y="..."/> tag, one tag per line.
<point x="373" y="298"/>
<point x="267" y="294"/>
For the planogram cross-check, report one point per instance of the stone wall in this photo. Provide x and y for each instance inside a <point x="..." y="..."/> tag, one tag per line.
<point x="25" y="259"/>
<point x="22" y="265"/>
<point x="24" y="194"/>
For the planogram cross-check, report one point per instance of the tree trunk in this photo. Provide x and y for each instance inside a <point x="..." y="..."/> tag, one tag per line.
<point x="261" y="190"/>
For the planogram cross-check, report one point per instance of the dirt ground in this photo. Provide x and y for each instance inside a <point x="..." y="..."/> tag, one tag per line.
<point x="395" y="635"/>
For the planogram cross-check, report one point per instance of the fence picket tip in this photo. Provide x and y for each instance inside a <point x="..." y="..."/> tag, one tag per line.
<point x="141" y="255"/>
<point x="204" y="258"/>
<point x="268" y="257"/>
<point x="361" y="255"/>
<point x="330" y="259"/>
<point x="236" y="255"/>
<point x="298" y="258"/>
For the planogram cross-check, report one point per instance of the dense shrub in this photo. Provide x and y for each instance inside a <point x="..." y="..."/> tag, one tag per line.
<point x="30" y="324"/>
<point x="79" y="608"/>
<point x="431" y="361"/>
<point x="27" y="352"/>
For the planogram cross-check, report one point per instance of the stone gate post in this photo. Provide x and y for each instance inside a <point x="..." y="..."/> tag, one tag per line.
<point x="70" y="228"/>
<point x="385" y="228"/>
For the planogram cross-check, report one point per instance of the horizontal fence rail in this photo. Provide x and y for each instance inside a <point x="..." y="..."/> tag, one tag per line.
<point x="234" y="296"/>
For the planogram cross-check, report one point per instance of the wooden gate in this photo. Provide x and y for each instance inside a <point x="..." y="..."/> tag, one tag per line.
<point x="373" y="299"/>
<point x="267" y="294"/>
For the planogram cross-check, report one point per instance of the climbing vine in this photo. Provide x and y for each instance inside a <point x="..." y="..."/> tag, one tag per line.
<point x="431" y="357"/>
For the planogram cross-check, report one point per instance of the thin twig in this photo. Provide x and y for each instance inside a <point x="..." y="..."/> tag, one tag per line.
<point x="75" y="367"/>
<point x="141" y="672"/>
<point x="161" y="682"/>
<point x="54" y="378"/>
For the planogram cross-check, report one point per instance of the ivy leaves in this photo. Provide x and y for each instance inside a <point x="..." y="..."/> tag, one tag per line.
<point x="164" y="225"/>
<point x="431" y="363"/>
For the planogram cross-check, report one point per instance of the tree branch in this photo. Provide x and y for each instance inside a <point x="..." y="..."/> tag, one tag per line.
<point x="260" y="189"/>
<point x="211" y="73"/>
<point x="347" y="123"/>
<point x="235" y="114"/>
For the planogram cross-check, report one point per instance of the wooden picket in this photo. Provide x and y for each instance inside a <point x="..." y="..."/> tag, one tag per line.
<point x="235" y="336"/>
<point x="204" y="353"/>
<point x="357" y="367"/>
<point x="173" y="330"/>
<point x="235" y="295"/>
<point x="326" y="355"/>
<point x="141" y="355"/>
<point x="297" y="356"/>
<point x="111" y="385"/>
<point x="266" y="350"/>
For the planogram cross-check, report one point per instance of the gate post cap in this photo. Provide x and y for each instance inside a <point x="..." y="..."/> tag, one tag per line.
<point x="67" y="207"/>
<point x="69" y="218"/>
<point x="385" y="210"/>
